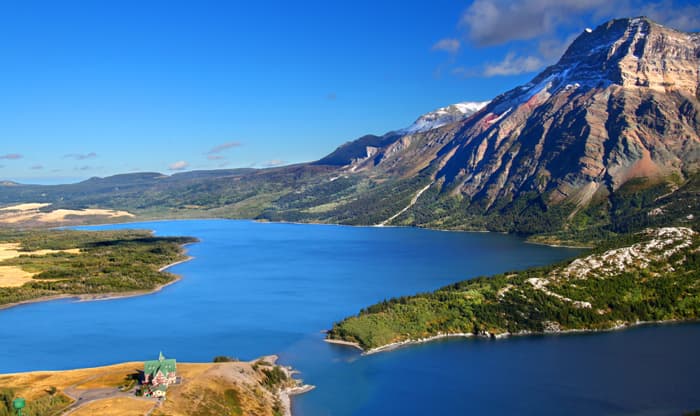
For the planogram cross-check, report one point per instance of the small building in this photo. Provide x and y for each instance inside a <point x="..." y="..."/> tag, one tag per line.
<point x="158" y="375"/>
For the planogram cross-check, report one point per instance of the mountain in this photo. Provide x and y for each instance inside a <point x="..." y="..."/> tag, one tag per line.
<point x="444" y="115"/>
<point x="589" y="147"/>
<point x="366" y="146"/>
<point x="621" y="103"/>
<point x="620" y="106"/>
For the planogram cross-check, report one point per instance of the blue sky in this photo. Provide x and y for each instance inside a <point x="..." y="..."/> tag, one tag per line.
<point x="92" y="88"/>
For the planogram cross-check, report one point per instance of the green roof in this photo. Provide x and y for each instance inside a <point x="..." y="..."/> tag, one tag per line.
<point x="166" y="366"/>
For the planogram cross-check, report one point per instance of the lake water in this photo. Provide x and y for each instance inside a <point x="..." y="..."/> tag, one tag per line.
<point x="255" y="289"/>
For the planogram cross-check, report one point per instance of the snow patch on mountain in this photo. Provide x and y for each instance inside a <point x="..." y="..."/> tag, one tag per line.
<point x="444" y="115"/>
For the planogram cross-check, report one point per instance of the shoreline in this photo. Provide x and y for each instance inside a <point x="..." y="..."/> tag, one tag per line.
<point x="286" y="395"/>
<point x="94" y="297"/>
<point x="173" y="264"/>
<point x="138" y="220"/>
<point x="556" y="245"/>
<point x="406" y="343"/>
<point x="344" y="343"/>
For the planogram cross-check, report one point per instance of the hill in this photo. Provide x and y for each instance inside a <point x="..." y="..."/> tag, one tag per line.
<point x="647" y="277"/>
<point x="226" y="388"/>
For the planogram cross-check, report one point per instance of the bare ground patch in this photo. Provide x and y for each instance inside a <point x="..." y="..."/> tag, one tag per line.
<point x="30" y="213"/>
<point x="15" y="276"/>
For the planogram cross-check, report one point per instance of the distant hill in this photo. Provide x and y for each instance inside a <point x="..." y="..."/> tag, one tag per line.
<point x="594" y="140"/>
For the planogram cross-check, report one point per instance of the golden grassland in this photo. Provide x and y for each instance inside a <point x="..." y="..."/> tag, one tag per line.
<point x="32" y="213"/>
<point x="29" y="206"/>
<point x="15" y="276"/>
<point x="38" y="264"/>
<point x="228" y="388"/>
<point x="118" y="406"/>
<point x="36" y="384"/>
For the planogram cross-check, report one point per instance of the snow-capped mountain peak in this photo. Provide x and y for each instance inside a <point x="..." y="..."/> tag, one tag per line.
<point x="444" y="115"/>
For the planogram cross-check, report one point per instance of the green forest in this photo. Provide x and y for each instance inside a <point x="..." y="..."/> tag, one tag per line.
<point x="509" y="303"/>
<point x="107" y="262"/>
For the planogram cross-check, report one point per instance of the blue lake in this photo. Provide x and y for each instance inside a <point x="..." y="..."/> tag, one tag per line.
<point x="255" y="289"/>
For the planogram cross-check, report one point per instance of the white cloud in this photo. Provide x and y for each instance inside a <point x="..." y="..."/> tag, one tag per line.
<point x="80" y="156"/>
<point x="179" y="165"/>
<point x="495" y="22"/>
<point x="665" y="12"/>
<point x="513" y="65"/>
<point x="273" y="163"/>
<point x="447" y="45"/>
<point x="465" y="72"/>
<point x="86" y="167"/>
<point x="551" y="49"/>
<point x="543" y="29"/>
<point x="224" y="146"/>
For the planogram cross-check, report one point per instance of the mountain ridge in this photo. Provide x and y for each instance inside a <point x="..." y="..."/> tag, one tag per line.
<point x="510" y="123"/>
<point x="579" y="130"/>
<point x="618" y="114"/>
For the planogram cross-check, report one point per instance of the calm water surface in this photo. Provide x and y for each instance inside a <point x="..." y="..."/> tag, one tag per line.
<point x="256" y="289"/>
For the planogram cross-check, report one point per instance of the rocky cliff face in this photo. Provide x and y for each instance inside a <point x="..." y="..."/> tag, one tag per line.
<point x="622" y="103"/>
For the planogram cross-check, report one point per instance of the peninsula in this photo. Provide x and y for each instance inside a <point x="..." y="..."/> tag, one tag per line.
<point x="231" y="387"/>
<point x="48" y="264"/>
<point x="651" y="276"/>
